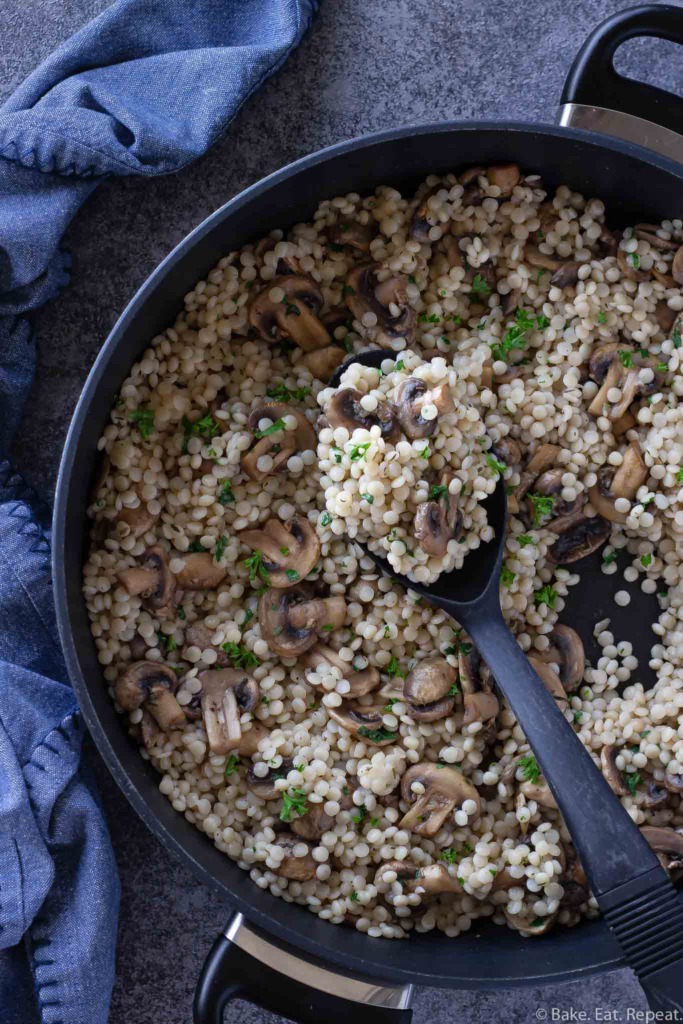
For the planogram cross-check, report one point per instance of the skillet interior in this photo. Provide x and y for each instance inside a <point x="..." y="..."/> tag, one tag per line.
<point x="634" y="185"/>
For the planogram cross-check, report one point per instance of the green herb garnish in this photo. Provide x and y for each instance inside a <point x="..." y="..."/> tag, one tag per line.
<point x="376" y="735"/>
<point x="602" y="317"/>
<point x="359" y="451"/>
<point x="325" y="519"/>
<point x="272" y="429"/>
<point x="507" y="576"/>
<point x="292" y="575"/>
<point x="493" y="463"/>
<point x="369" y="498"/>
<point x="480" y="286"/>
<point x="626" y="358"/>
<point x="394" y="669"/>
<point x="219" y="550"/>
<point x="530" y="770"/>
<point x="542" y="505"/>
<point x="281" y="393"/>
<point x="231" y="765"/>
<point x="546" y="595"/>
<point x="143" y="420"/>
<point x="225" y="496"/>
<point x="241" y="656"/>
<point x="254" y="563"/>
<point x="293" y="803"/>
<point x="632" y="780"/>
<point x="437" y="492"/>
<point x="525" y="540"/>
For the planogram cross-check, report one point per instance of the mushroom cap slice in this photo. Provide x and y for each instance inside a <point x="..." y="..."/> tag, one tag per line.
<point x="403" y="869"/>
<point x="280" y="444"/>
<point x="420" y="225"/>
<point x="628" y="270"/>
<point x="153" y="579"/>
<point x="154" y="685"/>
<point x="410" y="397"/>
<point x="504" y="177"/>
<point x="541" y="794"/>
<point x="361" y="682"/>
<point x="366" y="294"/>
<point x="263" y="786"/>
<point x="622" y="482"/>
<point x="614" y="777"/>
<point x="296" y="317"/>
<point x="292" y="619"/>
<point x="476" y="682"/>
<point x="197" y="634"/>
<point x="427" y="688"/>
<point x="297" y="869"/>
<point x="438" y="521"/>
<point x="566" y="650"/>
<point x="444" y="789"/>
<point x="136" y="521"/>
<point x="580" y="537"/>
<point x="344" y="409"/>
<point x="251" y="738"/>
<point x="290" y="549"/>
<point x="667" y="843"/>
<point x="354" y="234"/>
<point x="226" y="694"/>
<point x="314" y="824"/>
<point x="322" y="362"/>
<point x="200" y="572"/>
<point x="530" y="927"/>
<point x="550" y="680"/>
<point x="364" y="721"/>
<point x="304" y="437"/>
<point x="433" y="880"/>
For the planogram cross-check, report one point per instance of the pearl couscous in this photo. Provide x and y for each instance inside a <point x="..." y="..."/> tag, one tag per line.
<point x="338" y="738"/>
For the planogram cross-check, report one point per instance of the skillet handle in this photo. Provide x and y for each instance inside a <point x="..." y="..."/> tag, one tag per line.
<point x="244" y="964"/>
<point x="597" y="98"/>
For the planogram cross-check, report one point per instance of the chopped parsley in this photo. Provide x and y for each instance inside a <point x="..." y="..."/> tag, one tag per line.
<point x="231" y="765"/>
<point x="354" y="897"/>
<point x="437" y="492"/>
<point x="525" y="540"/>
<point x="390" y="703"/>
<point x="293" y="803"/>
<point x="325" y="519"/>
<point x="609" y="558"/>
<point x="453" y="691"/>
<point x="369" y="498"/>
<point x="632" y="780"/>
<point x="359" y="817"/>
<point x="578" y="715"/>
<point x="449" y="856"/>
<point x="494" y="464"/>
<point x="248" y="616"/>
<point x="143" y="420"/>
<point x="394" y="669"/>
<point x="254" y="563"/>
<point x="542" y="505"/>
<point x="480" y="286"/>
<point x="292" y="575"/>
<point x="225" y="496"/>
<point x="181" y="612"/>
<point x="205" y="427"/>
<point x="425" y="453"/>
<point x="272" y="429"/>
<point x="359" y="451"/>
<point x="634" y="260"/>
<point x="376" y="735"/>
<point x="431" y="319"/>
<point x="663" y="367"/>
<point x="241" y="656"/>
<point x="546" y="595"/>
<point x="400" y="365"/>
<point x="169" y="642"/>
<point x="284" y="551"/>
<point x="676" y="338"/>
<point x="626" y="358"/>
<point x="348" y="290"/>
<point x="219" y="550"/>
<point x="679" y="476"/>
<point x="281" y="393"/>
<point x="195" y="547"/>
<point x="507" y="576"/>
<point x="602" y="317"/>
<point x="530" y="770"/>
<point x="645" y="560"/>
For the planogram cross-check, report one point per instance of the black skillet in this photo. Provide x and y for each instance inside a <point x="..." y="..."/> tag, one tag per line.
<point x="272" y="952"/>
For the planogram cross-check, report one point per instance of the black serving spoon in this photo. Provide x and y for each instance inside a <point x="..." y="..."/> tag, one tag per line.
<point x="633" y="890"/>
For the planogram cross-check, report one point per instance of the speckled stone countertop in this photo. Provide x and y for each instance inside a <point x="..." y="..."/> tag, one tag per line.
<point x="363" y="67"/>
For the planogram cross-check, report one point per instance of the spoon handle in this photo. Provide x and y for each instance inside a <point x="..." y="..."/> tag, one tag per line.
<point x="611" y="848"/>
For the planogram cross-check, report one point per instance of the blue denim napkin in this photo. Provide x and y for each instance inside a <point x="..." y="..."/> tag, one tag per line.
<point x="143" y="89"/>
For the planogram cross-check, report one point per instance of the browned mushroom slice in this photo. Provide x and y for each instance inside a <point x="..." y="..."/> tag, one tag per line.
<point x="360" y="682"/>
<point x="510" y="301"/>
<point x="573" y="880"/>
<point x="628" y="264"/>
<point x="354" y="234"/>
<point x="152" y="579"/>
<point x="530" y="926"/>
<point x="275" y="440"/>
<point x="313" y="824"/>
<point x="445" y="789"/>
<point x="654" y="795"/>
<point x="263" y="786"/>
<point x="152" y="685"/>
<point x="297" y="869"/>
<point x="541" y="461"/>
<point x="344" y="409"/>
<point x="151" y="732"/>
<point x="677" y="266"/>
<point x="439" y="520"/>
<point x="433" y="880"/>
<point x="366" y="294"/>
<point x="403" y="869"/>
<point x="667" y="843"/>
<point x="550" y="680"/>
<point x="289" y="549"/>
<point x="566" y="651"/>
<point x="665" y="316"/>
<point x="200" y="572"/>
<point x="251" y="737"/>
<point x="420" y="224"/>
<point x="323" y="361"/>
<point x="540" y="793"/>
<point x="199" y="635"/>
<point x="549" y="485"/>
<point x="614" y="776"/>
<point x="295" y="317"/>
<point x="622" y="482"/>
<point x="565" y="273"/>
<point x="648" y="233"/>
<point x="579" y="538"/>
<point x="410" y="399"/>
<point x="226" y="694"/>
<point x="504" y="177"/>
<point x="429" y="689"/>
<point x="507" y="450"/>
<point x="364" y="721"/>
<point x="674" y="783"/>
<point x="291" y="620"/>
<point x="614" y="366"/>
<point x="473" y="194"/>
<point x="136" y="521"/>
<point x="476" y="681"/>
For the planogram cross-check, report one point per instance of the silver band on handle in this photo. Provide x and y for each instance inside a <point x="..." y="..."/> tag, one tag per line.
<point x="346" y="986"/>
<point x="623" y="126"/>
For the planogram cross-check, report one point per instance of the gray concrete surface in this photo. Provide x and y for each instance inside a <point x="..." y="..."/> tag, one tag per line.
<point x="365" y="66"/>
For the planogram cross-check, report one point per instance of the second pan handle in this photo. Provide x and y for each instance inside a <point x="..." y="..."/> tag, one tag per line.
<point x="598" y="98"/>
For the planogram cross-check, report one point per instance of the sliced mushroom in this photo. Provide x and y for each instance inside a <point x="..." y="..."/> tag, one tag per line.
<point x="549" y="484"/>
<point x="654" y="795"/>
<point x="665" y="316"/>
<point x="473" y="194"/>
<point x="290" y="549"/>
<point x="263" y="786"/>
<point x="411" y="398"/>
<point x="507" y="450"/>
<point x="323" y="361"/>
<point x="420" y="225"/>
<point x="539" y="793"/>
<point x="354" y="234"/>
<point x="199" y="635"/>
<point x="439" y="521"/>
<point x="504" y="177"/>
<point x="433" y="880"/>
<point x="152" y="685"/>
<point x="291" y="620"/>
<point x="150" y="731"/>
<point x="427" y="689"/>
<point x="366" y="294"/>
<point x="296" y="317"/>
<point x="579" y="538"/>
<point x="297" y="869"/>
<point x="608" y="756"/>
<point x="280" y="445"/>
<point x="403" y="869"/>
<point x="152" y="580"/>
<point x="543" y="459"/>
<point x="667" y="843"/>
<point x="677" y="266"/>
<point x="226" y="694"/>
<point x="444" y="790"/>
<point x="479" y="700"/>
<point x="344" y="409"/>
<point x="550" y="680"/>
<point x="622" y="482"/>
<point x="626" y="266"/>
<point x="251" y="738"/>
<point x="530" y="927"/>
<point x="364" y="721"/>
<point x="136" y="521"/>
<point x="361" y="682"/>
<point x="510" y="301"/>
<point x="566" y="651"/>
<point x="648" y="233"/>
<point x="314" y="824"/>
<point x="674" y="783"/>
<point x="200" y="572"/>
<point x="606" y="366"/>
<point x="573" y="880"/>
<point x="565" y="272"/>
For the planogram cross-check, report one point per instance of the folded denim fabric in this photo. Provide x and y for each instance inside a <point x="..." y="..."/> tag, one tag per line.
<point x="143" y="89"/>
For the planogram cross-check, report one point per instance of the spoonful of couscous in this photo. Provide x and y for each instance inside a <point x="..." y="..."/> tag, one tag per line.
<point x="444" y="539"/>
